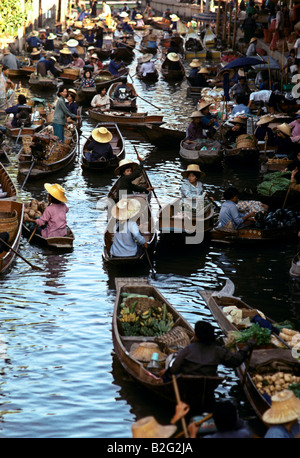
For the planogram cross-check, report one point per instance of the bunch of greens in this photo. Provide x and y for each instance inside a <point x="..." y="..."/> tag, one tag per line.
<point x="295" y="387"/>
<point x="255" y="331"/>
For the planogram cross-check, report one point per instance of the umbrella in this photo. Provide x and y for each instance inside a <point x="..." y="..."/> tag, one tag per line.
<point x="270" y="63"/>
<point x="242" y="62"/>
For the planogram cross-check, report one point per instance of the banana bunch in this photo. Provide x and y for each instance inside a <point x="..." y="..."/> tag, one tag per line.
<point x="128" y="317"/>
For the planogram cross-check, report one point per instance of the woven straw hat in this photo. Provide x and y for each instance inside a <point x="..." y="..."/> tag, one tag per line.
<point x="195" y="63"/>
<point x="148" y="427"/>
<point x="174" y="18"/>
<point x="123" y="14"/>
<point x="173" y="56"/>
<point x="139" y="16"/>
<point x="197" y="114"/>
<point x="73" y="91"/>
<point x="253" y="39"/>
<point x="94" y="56"/>
<point x="203" y="105"/>
<point x="285" y="129"/>
<point x="125" y="163"/>
<point x="192" y="168"/>
<point x="65" y="51"/>
<point x="239" y="120"/>
<point x="147" y="57"/>
<point x="102" y="135"/>
<point x="285" y="408"/>
<point x="203" y="70"/>
<point x="72" y="43"/>
<point x="264" y="120"/>
<point x="90" y="48"/>
<point x="35" y="52"/>
<point x="144" y="351"/>
<point x="220" y="75"/>
<point x="126" y="209"/>
<point x="51" y="36"/>
<point x="34" y="33"/>
<point x="56" y="191"/>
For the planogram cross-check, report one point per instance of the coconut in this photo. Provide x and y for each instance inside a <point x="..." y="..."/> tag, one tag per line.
<point x="34" y="204"/>
<point x="31" y="213"/>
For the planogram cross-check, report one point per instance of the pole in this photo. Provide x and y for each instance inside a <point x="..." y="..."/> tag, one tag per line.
<point x="18" y="254"/>
<point x="218" y="17"/>
<point x="235" y="25"/>
<point x="183" y="422"/>
<point x="224" y="22"/>
<point x="229" y="26"/>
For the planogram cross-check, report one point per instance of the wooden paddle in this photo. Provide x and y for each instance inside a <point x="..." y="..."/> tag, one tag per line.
<point x="286" y="197"/>
<point x="27" y="176"/>
<point x="150" y="263"/>
<point x="183" y="422"/>
<point x="18" y="254"/>
<point x="143" y="98"/>
<point x="32" y="234"/>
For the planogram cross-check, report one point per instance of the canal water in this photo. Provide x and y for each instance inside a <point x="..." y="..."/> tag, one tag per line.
<point x="59" y="375"/>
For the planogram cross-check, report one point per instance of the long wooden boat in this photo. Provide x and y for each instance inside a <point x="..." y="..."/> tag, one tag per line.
<point x="16" y="73"/>
<point x="159" y="22"/>
<point x="123" y="54"/>
<point x="105" y="79"/>
<point x="57" y="157"/>
<point x="13" y="212"/>
<point x="192" y="91"/>
<point x="128" y="104"/>
<point x="164" y="137"/>
<point x="118" y="147"/>
<point x="275" y="200"/>
<point x="175" y="223"/>
<point x="149" y="77"/>
<point x="194" y="390"/>
<point x="263" y="360"/>
<point x="7" y="185"/>
<point x="142" y="180"/>
<point x="147" y="230"/>
<point x="55" y="243"/>
<point x="124" y="119"/>
<point x="19" y="132"/>
<point x="193" y="46"/>
<point x="172" y="75"/>
<point x="209" y="153"/>
<point x="295" y="266"/>
<point x="241" y="156"/>
<point x="43" y="83"/>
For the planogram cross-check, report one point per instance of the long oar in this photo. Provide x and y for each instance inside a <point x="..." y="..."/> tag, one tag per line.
<point x="183" y="422"/>
<point x="32" y="233"/>
<point x="148" y="180"/>
<point x="286" y="197"/>
<point x="150" y="263"/>
<point x="18" y="254"/>
<point x="27" y="176"/>
<point x="147" y="101"/>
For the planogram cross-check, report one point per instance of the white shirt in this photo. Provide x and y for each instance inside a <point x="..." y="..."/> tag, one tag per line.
<point x="147" y="67"/>
<point x="297" y="46"/>
<point x="260" y="96"/>
<point x="99" y="100"/>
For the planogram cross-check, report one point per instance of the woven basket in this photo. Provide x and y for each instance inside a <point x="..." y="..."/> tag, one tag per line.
<point x="178" y="336"/>
<point x="9" y="223"/>
<point x="72" y="71"/>
<point x="245" y="141"/>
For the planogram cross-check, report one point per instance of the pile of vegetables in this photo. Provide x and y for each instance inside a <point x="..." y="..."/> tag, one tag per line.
<point x="142" y="315"/>
<point x="272" y="384"/>
<point x="273" y="182"/>
<point x="255" y="331"/>
<point x="291" y="337"/>
<point x="34" y="209"/>
<point x="278" y="219"/>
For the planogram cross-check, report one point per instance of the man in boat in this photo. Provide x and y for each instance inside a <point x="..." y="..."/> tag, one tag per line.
<point x="78" y="62"/>
<point x="193" y="76"/>
<point x="15" y="110"/>
<point x="173" y="61"/>
<point x="100" y="148"/>
<point x="147" y="66"/>
<point x="115" y="66"/>
<point x="263" y="132"/>
<point x="126" y="26"/>
<point x="123" y="91"/>
<point x="229" y="216"/>
<point x="208" y="121"/>
<point x="265" y="98"/>
<point x="195" y="130"/>
<point x="61" y="113"/>
<point x="130" y="171"/>
<point x="33" y="41"/>
<point x="127" y="241"/>
<point x="10" y="60"/>
<point x="48" y="65"/>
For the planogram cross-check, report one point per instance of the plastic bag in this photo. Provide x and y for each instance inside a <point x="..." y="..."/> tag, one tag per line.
<point x="227" y="290"/>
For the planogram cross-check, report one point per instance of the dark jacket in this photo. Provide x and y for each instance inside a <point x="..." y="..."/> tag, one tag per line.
<point x="125" y="184"/>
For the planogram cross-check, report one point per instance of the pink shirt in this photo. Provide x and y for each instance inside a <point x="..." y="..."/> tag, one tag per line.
<point x="295" y="125"/>
<point x="55" y="217"/>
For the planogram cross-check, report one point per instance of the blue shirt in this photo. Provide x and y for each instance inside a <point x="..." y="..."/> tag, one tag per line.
<point x="125" y="241"/>
<point x="14" y="110"/>
<point x="33" y="42"/>
<point x="241" y="109"/>
<point x="229" y="212"/>
<point x="188" y="190"/>
<point x="113" y="67"/>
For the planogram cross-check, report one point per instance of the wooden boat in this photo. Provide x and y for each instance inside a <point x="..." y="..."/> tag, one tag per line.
<point x="264" y="360"/>
<point x="192" y="91"/>
<point x="125" y="54"/>
<point x="28" y="70"/>
<point x="19" y="132"/>
<point x="160" y="23"/>
<point x="106" y="79"/>
<point x="273" y="165"/>
<point x="16" y="73"/>
<point x="85" y="95"/>
<point x="128" y="104"/>
<point x="175" y="223"/>
<point x="43" y="83"/>
<point x="295" y="267"/>
<point x="69" y="75"/>
<point x="209" y="153"/>
<point x="274" y="201"/>
<point x="7" y="185"/>
<point x="241" y="156"/>
<point x="147" y="230"/>
<point x="143" y="48"/>
<point x="56" y="157"/>
<point x="149" y="77"/>
<point x="56" y="243"/>
<point x="172" y="75"/>
<point x="193" y="46"/>
<point x="11" y="218"/>
<point x="118" y="146"/>
<point x="162" y="136"/>
<point x="178" y="41"/>
<point x="194" y="390"/>
<point x="124" y="119"/>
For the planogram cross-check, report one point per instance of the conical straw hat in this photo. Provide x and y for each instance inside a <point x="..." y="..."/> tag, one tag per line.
<point x="126" y="209"/>
<point x="56" y="191"/>
<point x="148" y="427"/>
<point x="193" y="168"/>
<point x="102" y="135"/>
<point x="144" y="351"/>
<point x="125" y="163"/>
<point x="285" y="408"/>
<point x="173" y="56"/>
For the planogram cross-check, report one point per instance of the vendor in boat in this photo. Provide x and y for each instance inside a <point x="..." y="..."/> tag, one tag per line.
<point x="100" y="148"/>
<point x="6" y="85"/>
<point x="71" y="101"/>
<point x="115" y="67"/>
<point x="251" y="50"/>
<point x="263" y="132"/>
<point x="139" y="20"/>
<point x="126" y="26"/>
<point x="194" y="76"/>
<point x="15" y="110"/>
<point x="283" y="142"/>
<point x="130" y="171"/>
<point x="127" y="240"/>
<point x="101" y="100"/>
<point x="96" y="64"/>
<point x="147" y="66"/>
<point x="173" y="61"/>
<point x="10" y="60"/>
<point x="195" y="130"/>
<point x="208" y="121"/>
<point x="204" y="355"/>
<point x="265" y="98"/>
<point x="61" y="112"/>
<point x="152" y="43"/>
<point x="90" y="37"/>
<point x="201" y="78"/>
<point x="65" y="57"/>
<point x="123" y="91"/>
<point x="230" y="217"/>
<point x="72" y="45"/>
<point x="295" y="125"/>
<point x="53" y="222"/>
<point x="33" y="41"/>
<point x="87" y="80"/>
<point x="48" y="65"/>
<point x="282" y="418"/>
<point x="191" y="187"/>
<point x="239" y="128"/>
<point x="240" y="88"/>
<point x="49" y="44"/>
<point x="78" y="62"/>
